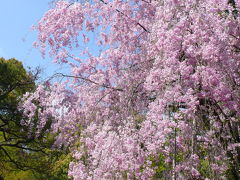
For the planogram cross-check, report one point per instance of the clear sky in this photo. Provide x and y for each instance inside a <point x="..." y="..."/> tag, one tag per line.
<point x="16" y="36"/>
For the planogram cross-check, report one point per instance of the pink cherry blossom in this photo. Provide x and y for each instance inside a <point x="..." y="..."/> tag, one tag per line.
<point x="165" y="82"/>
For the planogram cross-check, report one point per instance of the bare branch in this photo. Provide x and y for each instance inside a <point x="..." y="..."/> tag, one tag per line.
<point x="89" y="80"/>
<point x="128" y="17"/>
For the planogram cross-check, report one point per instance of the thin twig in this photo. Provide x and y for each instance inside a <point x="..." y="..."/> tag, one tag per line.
<point x="89" y="80"/>
<point x="128" y="17"/>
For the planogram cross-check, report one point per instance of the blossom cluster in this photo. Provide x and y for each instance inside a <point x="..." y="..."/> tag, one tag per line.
<point x="166" y="82"/>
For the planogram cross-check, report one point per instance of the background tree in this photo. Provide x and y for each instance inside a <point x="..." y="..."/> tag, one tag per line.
<point x="14" y="82"/>
<point x="22" y="154"/>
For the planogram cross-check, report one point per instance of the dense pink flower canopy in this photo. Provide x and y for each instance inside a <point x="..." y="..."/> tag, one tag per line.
<point x="166" y="82"/>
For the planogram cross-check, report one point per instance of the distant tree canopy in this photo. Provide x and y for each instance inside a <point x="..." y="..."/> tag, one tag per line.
<point x="22" y="155"/>
<point x="14" y="82"/>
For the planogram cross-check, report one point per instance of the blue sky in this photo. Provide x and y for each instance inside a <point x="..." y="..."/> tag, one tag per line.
<point x="16" y="36"/>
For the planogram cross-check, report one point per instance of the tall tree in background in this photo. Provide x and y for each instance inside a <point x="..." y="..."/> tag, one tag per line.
<point x="14" y="82"/>
<point x="22" y="155"/>
<point x="159" y="100"/>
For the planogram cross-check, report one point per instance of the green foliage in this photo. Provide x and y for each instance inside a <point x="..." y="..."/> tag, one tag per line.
<point x="24" y="156"/>
<point x="60" y="168"/>
<point x="205" y="168"/>
<point x="14" y="81"/>
<point x="160" y="166"/>
<point x="20" y="175"/>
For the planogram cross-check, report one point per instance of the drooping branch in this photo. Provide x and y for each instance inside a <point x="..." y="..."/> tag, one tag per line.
<point x="145" y="29"/>
<point x="88" y="80"/>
